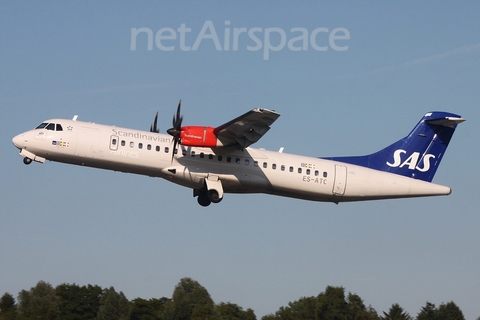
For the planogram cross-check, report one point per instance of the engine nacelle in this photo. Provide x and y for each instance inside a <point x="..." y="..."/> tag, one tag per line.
<point x="198" y="136"/>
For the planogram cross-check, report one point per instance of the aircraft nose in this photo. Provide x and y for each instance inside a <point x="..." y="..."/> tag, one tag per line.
<point x="18" y="141"/>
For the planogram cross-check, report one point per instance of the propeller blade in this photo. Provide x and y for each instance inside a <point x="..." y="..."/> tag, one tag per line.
<point x="176" y="128"/>
<point x="153" y="127"/>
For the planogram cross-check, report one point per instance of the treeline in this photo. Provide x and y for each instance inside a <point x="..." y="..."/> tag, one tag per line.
<point x="191" y="301"/>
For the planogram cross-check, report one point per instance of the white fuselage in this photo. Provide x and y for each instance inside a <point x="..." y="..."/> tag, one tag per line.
<point x="246" y="170"/>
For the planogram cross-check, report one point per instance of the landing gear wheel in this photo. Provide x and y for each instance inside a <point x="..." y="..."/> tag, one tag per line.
<point x="27" y="160"/>
<point x="203" y="200"/>
<point x="213" y="196"/>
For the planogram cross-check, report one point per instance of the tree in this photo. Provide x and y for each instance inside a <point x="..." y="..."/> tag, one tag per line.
<point x="449" y="311"/>
<point x="303" y="308"/>
<point x="356" y="310"/>
<point x="190" y="300"/>
<point x="113" y="306"/>
<point x="39" y="303"/>
<point x="8" y="308"/>
<point x="152" y="309"/>
<point x="231" y="311"/>
<point x="396" y="313"/>
<point x="428" y="312"/>
<point x="78" y="303"/>
<point x="331" y="304"/>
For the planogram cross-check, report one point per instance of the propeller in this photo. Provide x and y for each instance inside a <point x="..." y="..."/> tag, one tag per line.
<point x="153" y="126"/>
<point x="176" y="129"/>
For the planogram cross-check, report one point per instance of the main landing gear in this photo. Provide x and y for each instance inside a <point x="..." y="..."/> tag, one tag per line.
<point x="206" y="197"/>
<point x="212" y="191"/>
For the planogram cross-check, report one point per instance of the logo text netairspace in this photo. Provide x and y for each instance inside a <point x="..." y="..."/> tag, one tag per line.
<point x="239" y="38"/>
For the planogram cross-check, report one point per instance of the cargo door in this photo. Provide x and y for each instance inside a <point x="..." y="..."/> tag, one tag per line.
<point x="340" y="180"/>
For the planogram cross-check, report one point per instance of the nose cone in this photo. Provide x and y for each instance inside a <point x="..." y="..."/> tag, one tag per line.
<point x="18" y="141"/>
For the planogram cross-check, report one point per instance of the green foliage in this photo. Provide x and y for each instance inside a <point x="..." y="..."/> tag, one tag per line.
<point x="356" y="309"/>
<point x="152" y="309"/>
<point x="77" y="303"/>
<point x="428" y="312"/>
<point x="8" y="308"/>
<point x="330" y="304"/>
<point x="396" y="313"/>
<point x="190" y="300"/>
<point x="39" y="303"/>
<point x="304" y="308"/>
<point x="231" y="311"/>
<point x="113" y="306"/>
<point x="449" y="311"/>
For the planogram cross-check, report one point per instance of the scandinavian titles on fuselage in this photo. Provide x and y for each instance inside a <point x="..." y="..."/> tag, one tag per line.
<point x="140" y="135"/>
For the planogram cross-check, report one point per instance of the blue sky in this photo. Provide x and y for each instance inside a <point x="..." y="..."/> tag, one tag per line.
<point x="63" y="223"/>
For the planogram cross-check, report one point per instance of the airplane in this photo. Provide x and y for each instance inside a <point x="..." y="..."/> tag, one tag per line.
<point x="214" y="161"/>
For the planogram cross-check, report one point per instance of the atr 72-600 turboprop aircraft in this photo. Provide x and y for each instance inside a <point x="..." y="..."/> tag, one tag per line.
<point x="215" y="161"/>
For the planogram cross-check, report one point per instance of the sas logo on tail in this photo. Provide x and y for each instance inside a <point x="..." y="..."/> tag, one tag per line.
<point x="412" y="162"/>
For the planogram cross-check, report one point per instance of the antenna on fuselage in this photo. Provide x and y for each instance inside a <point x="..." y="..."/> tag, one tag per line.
<point x="75" y="117"/>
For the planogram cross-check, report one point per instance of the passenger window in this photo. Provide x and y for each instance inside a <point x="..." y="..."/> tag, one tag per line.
<point x="210" y="157"/>
<point x="229" y="159"/>
<point x="140" y="145"/>
<point x="255" y="163"/>
<point x="157" y="148"/>
<point x="202" y="155"/>
<point x="308" y="171"/>
<point x="167" y="149"/>
<point x="282" y="168"/>
<point x="59" y="127"/>
<point x="192" y="153"/>
<point x="220" y="158"/>
<point x="316" y="173"/>
<point x="299" y="170"/>
<point x="114" y="142"/>
<point x="290" y="169"/>
<point x="184" y="152"/>
<point x="51" y="126"/>
<point x="149" y="147"/>
<point x="247" y="162"/>
<point x="324" y="174"/>
<point x="131" y="144"/>
<point x="123" y="143"/>
<point x="237" y="160"/>
<point x="274" y="166"/>
<point x="265" y="165"/>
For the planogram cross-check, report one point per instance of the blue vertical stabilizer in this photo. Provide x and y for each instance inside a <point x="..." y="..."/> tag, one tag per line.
<point x="418" y="155"/>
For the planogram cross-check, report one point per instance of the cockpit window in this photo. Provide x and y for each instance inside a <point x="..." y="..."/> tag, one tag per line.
<point x="41" y="125"/>
<point x="50" y="126"/>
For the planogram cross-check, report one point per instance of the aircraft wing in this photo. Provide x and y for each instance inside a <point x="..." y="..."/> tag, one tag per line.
<point x="247" y="128"/>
